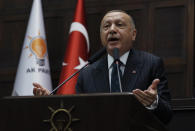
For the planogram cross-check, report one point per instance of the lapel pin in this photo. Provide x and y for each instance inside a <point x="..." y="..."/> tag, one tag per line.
<point x="134" y="72"/>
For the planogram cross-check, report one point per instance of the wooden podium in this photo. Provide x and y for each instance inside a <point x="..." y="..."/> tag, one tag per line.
<point x="81" y="112"/>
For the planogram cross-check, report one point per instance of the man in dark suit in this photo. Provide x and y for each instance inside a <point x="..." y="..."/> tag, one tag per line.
<point x="142" y="73"/>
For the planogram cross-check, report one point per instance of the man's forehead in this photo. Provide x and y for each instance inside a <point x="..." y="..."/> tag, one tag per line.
<point x="111" y="15"/>
<point x="115" y="13"/>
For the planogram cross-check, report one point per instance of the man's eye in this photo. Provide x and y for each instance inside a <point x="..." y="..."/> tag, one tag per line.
<point x="106" y="26"/>
<point x="120" y="25"/>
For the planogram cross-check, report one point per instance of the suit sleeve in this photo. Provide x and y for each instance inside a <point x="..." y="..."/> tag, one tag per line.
<point x="163" y="110"/>
<point x="79" y="88"/>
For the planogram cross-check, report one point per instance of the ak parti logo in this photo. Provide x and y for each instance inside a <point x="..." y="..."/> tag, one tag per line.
<point x="38" y="48"/>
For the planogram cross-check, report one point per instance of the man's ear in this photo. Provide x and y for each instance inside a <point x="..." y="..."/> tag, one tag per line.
<point x="134" y="34"/>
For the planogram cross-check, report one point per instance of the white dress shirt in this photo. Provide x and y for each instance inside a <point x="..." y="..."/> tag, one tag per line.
<point x="123" y="60"/>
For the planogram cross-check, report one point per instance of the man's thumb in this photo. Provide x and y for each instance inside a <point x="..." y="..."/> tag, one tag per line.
<point x="155" y="82"/>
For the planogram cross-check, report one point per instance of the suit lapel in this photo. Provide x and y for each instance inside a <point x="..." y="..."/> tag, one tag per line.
<point x="132" y="71"/>
<point x="100" y="76"/>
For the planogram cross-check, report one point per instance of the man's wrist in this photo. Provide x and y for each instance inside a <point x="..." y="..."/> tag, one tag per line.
<point x="153" y="105"/>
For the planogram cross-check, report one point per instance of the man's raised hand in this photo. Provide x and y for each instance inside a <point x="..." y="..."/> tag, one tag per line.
<point x="38" y="90"/>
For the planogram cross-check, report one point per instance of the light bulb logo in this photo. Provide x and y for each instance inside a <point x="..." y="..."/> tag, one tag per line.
<point x="39" y="49"/>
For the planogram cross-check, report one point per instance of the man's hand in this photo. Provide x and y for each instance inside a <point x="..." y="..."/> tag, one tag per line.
<point x="38" y="90"/>
<point x="147" y="97"/>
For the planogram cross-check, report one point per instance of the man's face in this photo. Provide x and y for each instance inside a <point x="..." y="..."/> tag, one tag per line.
<point x="116" y="32"/>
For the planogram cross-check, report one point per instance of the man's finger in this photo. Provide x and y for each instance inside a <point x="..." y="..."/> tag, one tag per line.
<point x="142" y="98"/>
<point x="154" y="84"/>
<point x="34" y="91"/>
<point x="45" y="92"/>
<point x="39" y="91"/>
<point x="37" y="85"/>
<point x="143" y="95"/>
<point x="151" y="95"/>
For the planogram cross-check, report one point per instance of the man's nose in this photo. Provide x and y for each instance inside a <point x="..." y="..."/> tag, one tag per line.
<point x="112" y="29"/>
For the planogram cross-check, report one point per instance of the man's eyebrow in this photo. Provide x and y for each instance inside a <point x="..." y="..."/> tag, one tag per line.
<point x="105" y="22"/>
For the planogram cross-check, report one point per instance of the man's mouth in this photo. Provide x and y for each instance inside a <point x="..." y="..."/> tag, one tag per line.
<point x="113" y="39"/>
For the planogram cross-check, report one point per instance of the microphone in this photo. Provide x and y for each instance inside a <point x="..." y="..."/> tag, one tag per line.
<point x="115" y="54"/>
<point x="91" y="60"/>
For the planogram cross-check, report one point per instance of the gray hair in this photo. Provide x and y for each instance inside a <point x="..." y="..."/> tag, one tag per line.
<point x="132" y="23"/>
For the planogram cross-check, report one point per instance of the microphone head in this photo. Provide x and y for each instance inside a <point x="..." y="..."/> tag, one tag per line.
<point x="115" y="54"/>
<point x="97" y="55"/>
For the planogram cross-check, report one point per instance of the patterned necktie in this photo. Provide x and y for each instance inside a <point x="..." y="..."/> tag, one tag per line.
<point x="115" y="85"/>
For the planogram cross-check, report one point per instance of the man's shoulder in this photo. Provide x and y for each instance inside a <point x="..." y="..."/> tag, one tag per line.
<point x="145" y="55"/>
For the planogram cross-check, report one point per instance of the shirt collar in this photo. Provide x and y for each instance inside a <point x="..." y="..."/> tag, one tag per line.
<point x="123" y="59"/>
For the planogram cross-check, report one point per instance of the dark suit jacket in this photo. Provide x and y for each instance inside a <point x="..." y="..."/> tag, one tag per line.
<point x="140" y="70"/>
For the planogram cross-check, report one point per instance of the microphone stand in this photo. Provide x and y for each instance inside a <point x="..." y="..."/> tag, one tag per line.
<point x="117" y="60"/>
<point x="90" y="61"/>
<point x="119" y="76"/>
<point x="68" y="78"/>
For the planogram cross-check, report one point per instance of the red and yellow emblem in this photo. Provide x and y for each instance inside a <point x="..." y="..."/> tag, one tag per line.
<point x="38" y="48"/>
